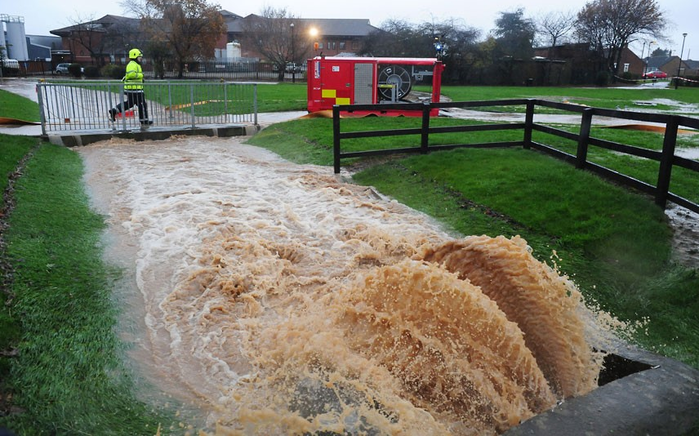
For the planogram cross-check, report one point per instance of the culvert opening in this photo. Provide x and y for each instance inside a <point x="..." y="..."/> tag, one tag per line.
<point x="615" y="367"/>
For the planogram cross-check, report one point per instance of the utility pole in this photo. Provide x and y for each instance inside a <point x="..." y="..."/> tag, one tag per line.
<point x="293" y="55"/>
<point x="679" y="64"/>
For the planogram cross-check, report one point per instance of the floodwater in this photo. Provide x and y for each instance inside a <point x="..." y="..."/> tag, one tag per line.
<point x="272" y="298"/>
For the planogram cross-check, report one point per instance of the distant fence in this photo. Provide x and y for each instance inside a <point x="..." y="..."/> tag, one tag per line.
<point x="211" y="70"/>
<point x="84" y="106"/>
<point x="667" y="158"/>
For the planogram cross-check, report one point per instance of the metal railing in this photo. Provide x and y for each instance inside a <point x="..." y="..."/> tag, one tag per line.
<point x="84" y="106"/>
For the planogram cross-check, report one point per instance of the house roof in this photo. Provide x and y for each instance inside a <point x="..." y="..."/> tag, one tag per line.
<point x="326" y="26"/>
<point x="341" y="26"/>
<point x="100" y="24"/>
<point x="229" y="14"/>
<point x="661" y="63"/>
<point x="694" y="65"/>
<point x="53" y="42"/>
<point x="657" y="62"/>
<point x="332" y="27"/>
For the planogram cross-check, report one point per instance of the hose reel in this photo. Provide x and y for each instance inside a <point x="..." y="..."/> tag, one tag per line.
<point x="394" y="83"/>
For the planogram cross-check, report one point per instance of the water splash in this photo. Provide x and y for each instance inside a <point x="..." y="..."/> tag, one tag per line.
<point x="281" y="301"/>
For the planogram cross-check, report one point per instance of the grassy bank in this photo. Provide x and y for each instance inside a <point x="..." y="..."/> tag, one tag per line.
<point x="653" y="98"/>
<point x="67" y="375"/>
<point x="616" y="244"/>
<point x="292" y="97"/>
<point x="11" y="153"/>
<point x="18" y="107"/>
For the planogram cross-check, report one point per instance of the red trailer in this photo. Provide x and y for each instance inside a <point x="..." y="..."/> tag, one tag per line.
<point x="359" y="80"/>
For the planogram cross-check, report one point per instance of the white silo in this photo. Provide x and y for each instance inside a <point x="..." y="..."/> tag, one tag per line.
<point x="16" y="38"/>
<point x="2" y="34"/>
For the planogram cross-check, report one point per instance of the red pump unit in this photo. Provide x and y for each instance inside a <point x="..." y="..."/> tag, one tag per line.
<point x="359" y="80"/>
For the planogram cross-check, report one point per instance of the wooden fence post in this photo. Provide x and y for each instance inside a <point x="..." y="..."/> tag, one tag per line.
<point x="584" y="138"/>
<point x="425" y="130"/>
<point x="336" y="139"/>
<point x="665" y="171"/>
<point x="529" y="123"/>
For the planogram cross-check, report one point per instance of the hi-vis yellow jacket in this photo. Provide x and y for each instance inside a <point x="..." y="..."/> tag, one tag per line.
<point x="133" y="80"/>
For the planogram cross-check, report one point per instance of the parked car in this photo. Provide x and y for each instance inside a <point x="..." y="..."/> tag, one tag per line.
<point x="291" y="67"/>
<point x="655" y="74"/>
<point x="62" y="69"/>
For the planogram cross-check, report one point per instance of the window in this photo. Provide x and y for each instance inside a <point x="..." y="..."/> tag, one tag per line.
<point x="342" y="45"/>
<point x="320" y="45"/>
<point x="626" y="68"/>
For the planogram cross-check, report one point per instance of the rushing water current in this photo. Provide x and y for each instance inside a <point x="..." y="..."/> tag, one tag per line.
<point x="279" y="300"/>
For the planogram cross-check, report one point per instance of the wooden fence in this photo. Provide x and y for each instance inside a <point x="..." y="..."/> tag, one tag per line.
<point x="667" y="158"/>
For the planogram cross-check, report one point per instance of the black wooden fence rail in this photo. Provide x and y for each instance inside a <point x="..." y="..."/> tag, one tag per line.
<point x="666" y="157"/>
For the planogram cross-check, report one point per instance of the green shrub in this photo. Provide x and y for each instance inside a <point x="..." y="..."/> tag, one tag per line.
<point x="75" y="70"/>
<point x="113" y="71"/>
<point x="603" y="78"/>
<point x="92" y="71"/>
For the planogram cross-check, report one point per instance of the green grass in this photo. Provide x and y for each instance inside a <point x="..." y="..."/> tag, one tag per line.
<point x="271" y="97"/>
<point x="281" y="97"/>
<point x="316" y="135"/>
<point x="11" y="152"/>
<point x="615" y="243"/>
<point x="287" y="96"/>
<point x="18" y="107"/>
<point x="608" y="98"/>
<point x="12" y="149"/>
<point x="69" y="376"/>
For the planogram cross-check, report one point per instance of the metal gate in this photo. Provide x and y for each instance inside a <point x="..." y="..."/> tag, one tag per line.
<point x="84" y="106"/>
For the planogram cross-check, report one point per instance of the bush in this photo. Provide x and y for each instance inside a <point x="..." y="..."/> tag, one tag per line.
<point x="9" y="71"/>
<point x="92" y="71"/>
<point x="602" y="78"/>
<point x="113" y="71"/>
<point x="692" y="81"/>
<point x="75" y="70"/>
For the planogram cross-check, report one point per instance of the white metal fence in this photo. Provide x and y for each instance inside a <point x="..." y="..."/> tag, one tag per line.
<point x="84" y="106"/>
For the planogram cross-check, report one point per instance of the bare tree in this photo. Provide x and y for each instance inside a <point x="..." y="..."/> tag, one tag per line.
<point x="555" y="26"/>
<point x="189" y="29"/>
<point x="611" y="25"/>
<point x="398" y="38"/>
<point x="100" y="37"/>
<point x="278" y="36"/>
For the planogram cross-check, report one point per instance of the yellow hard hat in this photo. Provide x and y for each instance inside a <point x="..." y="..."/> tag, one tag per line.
<point x="134" y="53"/>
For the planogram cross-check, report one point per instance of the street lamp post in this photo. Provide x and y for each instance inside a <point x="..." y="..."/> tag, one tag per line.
<point x="679" y="64"/>
<point x="645" y="64"/>
<point x="650" y="50"/>
<point x="293" y="55"/>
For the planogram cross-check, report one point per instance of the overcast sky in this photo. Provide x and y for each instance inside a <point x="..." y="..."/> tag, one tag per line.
<point x="42" y="16"/>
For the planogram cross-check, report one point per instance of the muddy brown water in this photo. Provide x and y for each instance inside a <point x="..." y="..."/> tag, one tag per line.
<point x="263" y="297"/>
